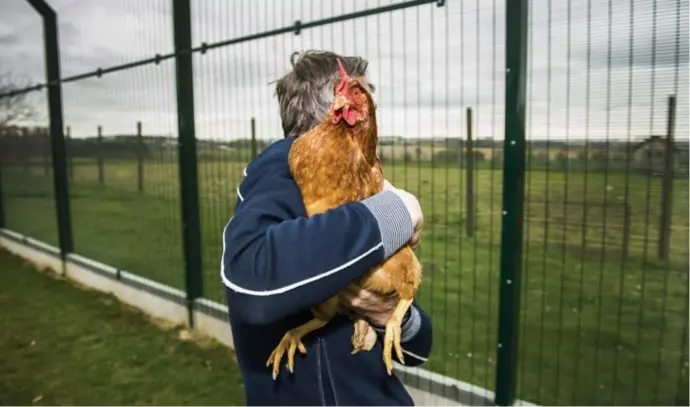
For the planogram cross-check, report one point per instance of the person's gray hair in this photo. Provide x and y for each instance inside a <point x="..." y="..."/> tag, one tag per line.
<point x="305" y="93"/>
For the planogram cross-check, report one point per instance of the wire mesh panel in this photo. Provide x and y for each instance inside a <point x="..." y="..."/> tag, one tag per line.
<point x="25" y="151"/>
<point x="236" y="116"/>
<point x="604" y="311"/>
<point x="438" y="87"/>
<point x="122" y="143"/>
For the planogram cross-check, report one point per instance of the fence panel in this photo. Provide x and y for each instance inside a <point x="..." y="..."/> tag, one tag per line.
<point x="604" y="320"/>
<point x="124" y="183"/>
<point x="25" y="149"/>
<point x="428" y="64"/>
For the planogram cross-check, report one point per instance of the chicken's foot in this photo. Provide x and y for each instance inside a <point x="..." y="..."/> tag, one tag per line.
<point x="364" y="337"/>
<point x="393" y="332"/>
<point x="291" y="342"/>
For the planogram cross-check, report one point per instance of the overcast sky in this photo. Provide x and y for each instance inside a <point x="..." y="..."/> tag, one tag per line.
<point x="428" y="64"/>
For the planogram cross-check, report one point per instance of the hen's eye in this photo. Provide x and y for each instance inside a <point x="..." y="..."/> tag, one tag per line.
<point x="356" y="92"/>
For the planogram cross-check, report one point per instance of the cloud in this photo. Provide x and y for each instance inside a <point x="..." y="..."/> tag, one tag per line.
<point x="643" y="34"/>
<point x="9" y="40"/>
<point x="428" y="64"/>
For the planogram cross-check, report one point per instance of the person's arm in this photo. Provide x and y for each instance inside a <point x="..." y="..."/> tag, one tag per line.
<point x="276" y="262"/>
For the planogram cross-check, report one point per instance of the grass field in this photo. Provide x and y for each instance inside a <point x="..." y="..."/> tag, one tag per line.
<point x="60" y="345"/>
<point x="597" y="327"/>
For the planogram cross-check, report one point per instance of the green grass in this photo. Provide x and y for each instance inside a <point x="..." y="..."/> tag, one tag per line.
<point x="596" y="328"/>
<point x="61" y="345"/>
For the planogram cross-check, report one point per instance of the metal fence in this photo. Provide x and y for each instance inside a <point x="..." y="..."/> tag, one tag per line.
<point x="547" y="142"/>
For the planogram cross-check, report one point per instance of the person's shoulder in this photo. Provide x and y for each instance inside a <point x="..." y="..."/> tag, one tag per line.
<point x="276" y="153"/>
<point x="268" y="171"/>
<point x="272" y="158"/>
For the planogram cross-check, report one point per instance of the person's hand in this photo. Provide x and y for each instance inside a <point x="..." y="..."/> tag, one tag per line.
<point x="413" y="208"/>
<point x="377" y="309"/>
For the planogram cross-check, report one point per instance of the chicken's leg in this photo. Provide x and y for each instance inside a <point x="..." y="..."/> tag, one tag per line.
<point x="393" y="331"/>
<point x="364" y="337"/>
<point x="291" y="342"/>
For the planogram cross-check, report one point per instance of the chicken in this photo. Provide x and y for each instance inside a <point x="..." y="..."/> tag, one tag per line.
<point x="335" y="163"/>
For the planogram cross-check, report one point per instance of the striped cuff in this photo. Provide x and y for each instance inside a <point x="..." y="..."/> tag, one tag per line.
<point x="392" y="218"/>
<point x="409" y="328"/>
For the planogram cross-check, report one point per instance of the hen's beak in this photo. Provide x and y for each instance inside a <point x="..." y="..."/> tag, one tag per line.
<point x="339" y="102"/>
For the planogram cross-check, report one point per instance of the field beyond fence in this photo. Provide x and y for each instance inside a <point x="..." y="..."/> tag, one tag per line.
<point x="589" y="311"/>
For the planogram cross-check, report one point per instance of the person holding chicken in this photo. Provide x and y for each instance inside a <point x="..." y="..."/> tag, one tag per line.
<point x="291" y="271"/>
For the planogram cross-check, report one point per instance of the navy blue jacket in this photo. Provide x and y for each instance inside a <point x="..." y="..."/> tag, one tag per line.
<point x="277" y="263"/>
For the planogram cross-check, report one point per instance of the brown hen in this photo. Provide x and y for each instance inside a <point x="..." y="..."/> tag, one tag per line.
<point x="335" y="163"/>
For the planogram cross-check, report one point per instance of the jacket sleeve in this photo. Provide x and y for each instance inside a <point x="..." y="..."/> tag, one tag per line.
<point x="277" y="262"/>
<point x="416" y="337"/>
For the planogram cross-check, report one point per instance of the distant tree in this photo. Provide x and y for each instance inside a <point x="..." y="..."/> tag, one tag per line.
<point x="15" y="107"/>
<point x="538" y="160"/>
<point x="496" y="160"/>
<point x="600" y="160"/>
<point x="561" y="162"/>
<point x="16" y="145"/>
<point x="479" y="157"/>
<point x="446" y="156"/>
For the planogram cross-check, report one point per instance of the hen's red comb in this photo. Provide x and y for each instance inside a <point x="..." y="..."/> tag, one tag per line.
<point x="343" y="77"/>
<point x="341" y="70"/>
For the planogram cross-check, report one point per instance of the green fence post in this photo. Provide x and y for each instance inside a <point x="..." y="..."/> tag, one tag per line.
<point x="99" y="154"/>
<point x="513" y="196"/>
<point x="68" y="153"/>
<point x="26" y="149"/>
<point x="46" y="150"/>
<point x="626" y="230"/>
<point x="57" y="137"/>
<point x="253" y="145"/>
<point x="140" y="159"/>
<point x="3" y="140"/>
<point x="2" y="199"/>
<point x="667" y="183"/>
<point x="189" y="188"/>
<point x="469" y="176"/>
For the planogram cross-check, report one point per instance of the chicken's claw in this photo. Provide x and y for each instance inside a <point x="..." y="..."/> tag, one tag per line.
<point x="392" y="340"/>
<point x="364" y="337"/>
<point x="291" y="342"/>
